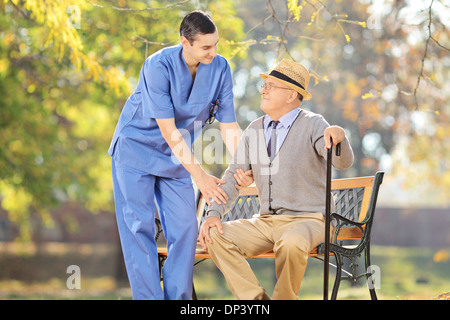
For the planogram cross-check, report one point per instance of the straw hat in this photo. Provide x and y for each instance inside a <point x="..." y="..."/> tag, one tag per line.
<point x="292" y="74"/>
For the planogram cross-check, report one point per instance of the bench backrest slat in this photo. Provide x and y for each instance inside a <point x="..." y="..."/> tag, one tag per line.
<point x="356" y="189"/>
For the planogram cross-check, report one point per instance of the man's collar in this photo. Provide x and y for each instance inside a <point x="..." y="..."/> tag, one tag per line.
<point x="286" y="120"/>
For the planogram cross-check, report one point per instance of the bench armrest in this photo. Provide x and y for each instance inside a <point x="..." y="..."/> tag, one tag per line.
<point x="345" y="220"/>
<point x="341" y="221"/>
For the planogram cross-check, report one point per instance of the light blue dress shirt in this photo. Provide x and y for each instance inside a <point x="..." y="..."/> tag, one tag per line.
<point x="166" y="90"/>
<point x="282" y="128"/>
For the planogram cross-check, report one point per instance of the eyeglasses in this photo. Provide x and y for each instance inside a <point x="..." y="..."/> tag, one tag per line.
<point x="212" y="112"/>
<point x="269" y="86"/>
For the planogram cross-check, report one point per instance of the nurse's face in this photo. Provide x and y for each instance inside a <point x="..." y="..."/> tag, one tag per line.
<point x="202" y="50"/>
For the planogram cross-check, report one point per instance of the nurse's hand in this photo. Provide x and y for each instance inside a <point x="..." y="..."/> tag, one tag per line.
<point x="210" y="188"/>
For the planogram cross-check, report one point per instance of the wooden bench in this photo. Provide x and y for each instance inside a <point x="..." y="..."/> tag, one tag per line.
<point x="355" y="200"/>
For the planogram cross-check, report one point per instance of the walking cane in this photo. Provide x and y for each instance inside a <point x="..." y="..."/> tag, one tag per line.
<point x="326" y="266"/>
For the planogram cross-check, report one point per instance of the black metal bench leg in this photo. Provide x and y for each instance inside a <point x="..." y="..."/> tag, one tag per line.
<point x="194" y="294"/>
<point x="161" y="260"/>
<point x="369" y="277"/>
<point x="337" y="280"/>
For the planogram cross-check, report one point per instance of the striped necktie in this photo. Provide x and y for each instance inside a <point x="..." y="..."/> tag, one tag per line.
<point x="272" y="146"/>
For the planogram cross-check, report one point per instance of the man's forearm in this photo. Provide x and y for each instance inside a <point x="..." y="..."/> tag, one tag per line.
<point x="219" y="210"/>
<point x="239" y="161"/>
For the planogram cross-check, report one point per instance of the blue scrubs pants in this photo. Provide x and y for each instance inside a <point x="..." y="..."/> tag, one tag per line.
<point x="135" y="194"/>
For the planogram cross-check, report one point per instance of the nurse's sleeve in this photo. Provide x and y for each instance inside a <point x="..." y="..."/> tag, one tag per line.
<point x="155" y="86"/>
<point x="226" y="113"/>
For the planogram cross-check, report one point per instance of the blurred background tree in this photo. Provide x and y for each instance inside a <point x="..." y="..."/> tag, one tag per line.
<point x="380" y="70"/>
<point x="66" y="69"/>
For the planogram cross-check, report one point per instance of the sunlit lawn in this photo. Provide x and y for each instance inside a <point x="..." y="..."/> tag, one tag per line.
<point x="406" y="274"/>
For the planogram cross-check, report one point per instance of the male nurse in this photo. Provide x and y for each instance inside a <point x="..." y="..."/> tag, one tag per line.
<point x="180" y="89"/>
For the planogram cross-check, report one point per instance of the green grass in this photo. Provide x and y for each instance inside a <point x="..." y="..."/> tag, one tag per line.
<point x="406" y="274"/>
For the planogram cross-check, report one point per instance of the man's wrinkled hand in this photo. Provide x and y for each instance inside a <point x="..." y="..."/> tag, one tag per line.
<point x="243" y="179"/>
<point x="203" y="236"/>
<point x="334" y="132"/>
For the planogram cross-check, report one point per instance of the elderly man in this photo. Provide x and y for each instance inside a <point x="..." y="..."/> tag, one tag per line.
<point x="286" y="150"/>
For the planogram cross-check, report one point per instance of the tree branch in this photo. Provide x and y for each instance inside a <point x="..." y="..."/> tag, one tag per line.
<point x="169" y="6"/>
<point x="425" y="54"/>
<point x="20" y="11"/>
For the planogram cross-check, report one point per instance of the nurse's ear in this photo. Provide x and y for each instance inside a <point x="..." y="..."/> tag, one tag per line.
<point x="185" y="42"/>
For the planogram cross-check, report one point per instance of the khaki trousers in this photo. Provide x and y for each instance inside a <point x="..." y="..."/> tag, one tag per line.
<point x="290" y="237"/>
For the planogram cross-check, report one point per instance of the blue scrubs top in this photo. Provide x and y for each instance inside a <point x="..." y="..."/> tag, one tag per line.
<point x="166" y="90"/>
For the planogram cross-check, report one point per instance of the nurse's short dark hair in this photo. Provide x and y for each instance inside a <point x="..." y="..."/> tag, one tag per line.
<point x="195" y="23"/>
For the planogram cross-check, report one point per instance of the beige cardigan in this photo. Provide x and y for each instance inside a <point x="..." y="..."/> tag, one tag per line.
<point x="295" y="181"/>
